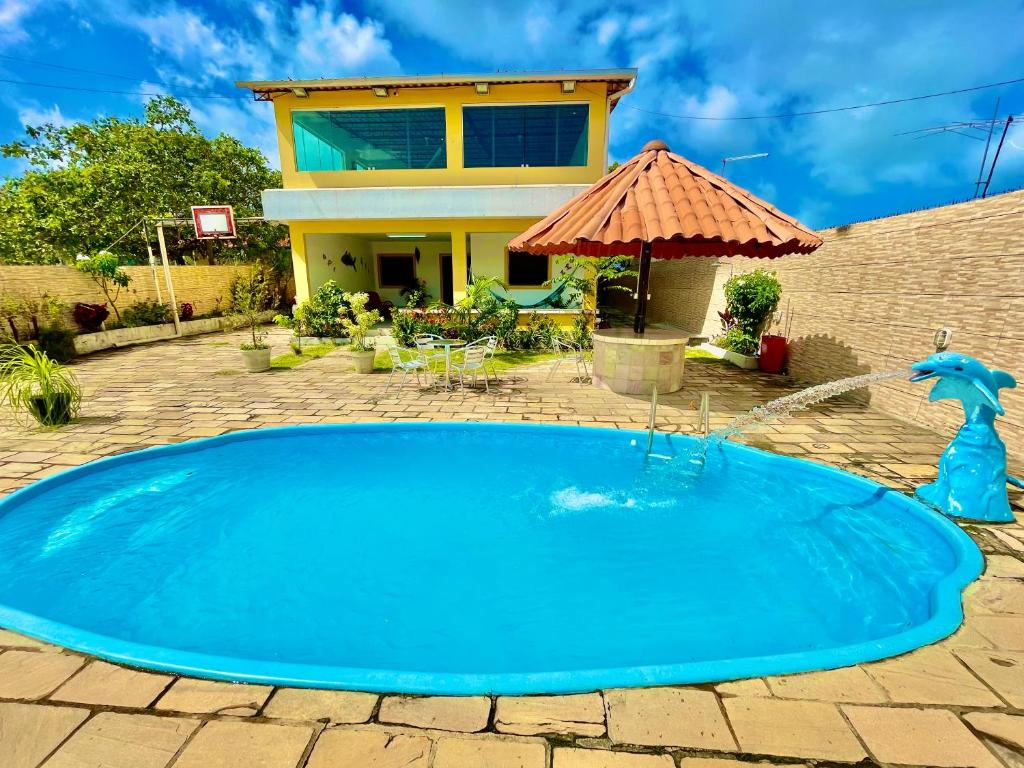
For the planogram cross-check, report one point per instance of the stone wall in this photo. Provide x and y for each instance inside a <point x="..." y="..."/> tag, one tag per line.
<point x="871" y="297"/>
<point x="207" y="288"/>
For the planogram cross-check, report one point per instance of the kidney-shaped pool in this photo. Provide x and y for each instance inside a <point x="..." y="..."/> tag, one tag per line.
<point x="470" y="558"/>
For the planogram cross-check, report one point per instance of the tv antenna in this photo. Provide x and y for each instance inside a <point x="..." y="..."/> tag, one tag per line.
<point x="755" y="156"/>
<point x="979" y="130"/>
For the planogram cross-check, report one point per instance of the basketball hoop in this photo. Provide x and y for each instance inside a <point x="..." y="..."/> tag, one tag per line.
<point x="213" y="222"/>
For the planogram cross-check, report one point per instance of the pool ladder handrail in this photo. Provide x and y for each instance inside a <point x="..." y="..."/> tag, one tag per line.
<point x="651" y="419"/>
<point x="704" y="414"/>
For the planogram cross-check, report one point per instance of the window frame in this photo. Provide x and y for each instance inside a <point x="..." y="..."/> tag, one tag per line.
<point x="492" y="104"/>
<point x="508" y="280"/>
<point x="387" y="255"/>
<point x="381" y="108"/>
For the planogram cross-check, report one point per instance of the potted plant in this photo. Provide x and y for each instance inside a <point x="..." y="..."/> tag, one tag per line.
<point x="32" y="383"/>
<point x="358" y="327"/>
<point x="250" y="298"/>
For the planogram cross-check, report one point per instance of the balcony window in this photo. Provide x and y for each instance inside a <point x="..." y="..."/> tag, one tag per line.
<point x="525" y="270"/>
<point x="534" y="135"/>
<point x="369" y="139"/>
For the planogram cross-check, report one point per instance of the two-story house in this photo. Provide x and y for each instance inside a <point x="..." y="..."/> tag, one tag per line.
<point x="387" y="181"/>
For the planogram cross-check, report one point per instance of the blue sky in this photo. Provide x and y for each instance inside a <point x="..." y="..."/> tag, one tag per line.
<point x="697" y="59"/>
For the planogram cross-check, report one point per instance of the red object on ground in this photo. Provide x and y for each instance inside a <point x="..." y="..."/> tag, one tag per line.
<point x="773" y="354"/>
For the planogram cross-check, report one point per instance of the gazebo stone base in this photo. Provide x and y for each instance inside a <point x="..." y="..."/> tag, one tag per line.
<point x="631" y="365"/>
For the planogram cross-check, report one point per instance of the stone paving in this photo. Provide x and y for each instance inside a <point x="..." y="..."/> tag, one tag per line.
<point x="956" y="704"/>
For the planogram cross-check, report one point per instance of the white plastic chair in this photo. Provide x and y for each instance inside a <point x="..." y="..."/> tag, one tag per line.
<point x="490" y="345"/>
<point x="430" y="355"/>
<point x="566" y="350"/>
<point x="414" y="365"/>
<point x="471" y="360"/>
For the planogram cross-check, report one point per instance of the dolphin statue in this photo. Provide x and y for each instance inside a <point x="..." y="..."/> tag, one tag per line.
<point x="972" y="470"/>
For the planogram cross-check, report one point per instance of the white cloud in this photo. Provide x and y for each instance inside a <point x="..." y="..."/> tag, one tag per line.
<point x="35" y="115"/>
<point x="13" y="14"/>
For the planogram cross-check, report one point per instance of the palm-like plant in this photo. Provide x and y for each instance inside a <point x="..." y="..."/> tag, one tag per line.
<point x="32" y="383"/>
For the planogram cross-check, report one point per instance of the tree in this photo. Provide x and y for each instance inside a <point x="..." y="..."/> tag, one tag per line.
<point x="89" y="183"/>
<point x="105" y="270"/>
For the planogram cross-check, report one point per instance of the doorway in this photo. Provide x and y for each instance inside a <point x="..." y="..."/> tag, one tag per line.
<point x="447" y="291"/>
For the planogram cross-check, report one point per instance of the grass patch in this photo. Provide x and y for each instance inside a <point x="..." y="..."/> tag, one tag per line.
<point x="291" y="360"/>
<point x="503" y="359"/>
<point x="227" y="372"/>
<point x="702" y="355"/>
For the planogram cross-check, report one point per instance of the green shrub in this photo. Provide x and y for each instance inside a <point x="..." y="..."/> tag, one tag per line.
<point x="321" y="314"/>
<point x="751" y="298"/>
<point x="738" y="340"/>
<point x="58" y="343"/>
<point x="146" y="313"/>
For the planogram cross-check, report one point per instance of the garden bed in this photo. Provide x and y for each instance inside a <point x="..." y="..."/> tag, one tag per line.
<point x="86" y="343"/>
<point x="747" y="362"/>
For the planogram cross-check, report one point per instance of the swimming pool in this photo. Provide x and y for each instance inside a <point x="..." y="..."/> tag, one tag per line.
<point x="469" y="558"/>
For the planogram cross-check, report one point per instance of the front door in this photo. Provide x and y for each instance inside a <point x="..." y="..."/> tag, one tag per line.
<point x="447" y="294"/>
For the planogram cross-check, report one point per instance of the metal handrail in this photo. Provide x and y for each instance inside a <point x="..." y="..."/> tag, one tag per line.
<point x="651" y="419"/>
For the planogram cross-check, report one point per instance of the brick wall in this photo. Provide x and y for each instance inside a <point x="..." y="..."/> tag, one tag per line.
<point x="871" y="297"/>
<point x="205" y="287"/>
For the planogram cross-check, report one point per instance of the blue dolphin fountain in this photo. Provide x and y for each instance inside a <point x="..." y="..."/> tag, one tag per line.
<point x="972" y="470"/>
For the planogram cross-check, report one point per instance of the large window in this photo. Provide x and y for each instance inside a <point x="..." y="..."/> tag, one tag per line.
<point x="369" y="139"/>
<point x="526" y="270"/>
<point x="525" y="135"/>
<point x="395" y="270"/>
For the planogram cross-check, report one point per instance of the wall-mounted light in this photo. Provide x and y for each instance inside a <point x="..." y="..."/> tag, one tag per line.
<point x="482" y="88"/>
<point x="300" y="92"/>
<point x="568" y="86"/>
<point x="404" y="236"/>
<point x="380" y="91"/>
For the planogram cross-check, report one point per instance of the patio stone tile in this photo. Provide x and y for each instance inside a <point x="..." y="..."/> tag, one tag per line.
<point x="9" y="639"/>
<point x="234" y="744"/>
<point x="112" y="740"/>
<point x="801" y="729"/>
<point x="29" y="732"/>
<point x="489" y="752"/>
<point x="1002" y="670"/>
<point x="32" y="675"/>
<point x="202" y="696"/>
<point x="848" y="684"/>
<point x="754" y="686"/>
<point x="312" y="704"/>
<point x="103" y="683"/>
<point x="599" y="758"/>
<point x="446" y="713"/>
<point x="1004" y="632"/>
<point x="995" y="596"/>
<point x="582" y="715"/>
<point x="933" y="737"/>
<point x="1006" y="728"/>
<point x="667" y="717"/>
<point x="930" y="676"/>
<point x="1003" y="567"/>
<point x="345" y="748"/>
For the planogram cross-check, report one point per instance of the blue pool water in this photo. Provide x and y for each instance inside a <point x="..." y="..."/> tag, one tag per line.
<point x="467" y="558"/>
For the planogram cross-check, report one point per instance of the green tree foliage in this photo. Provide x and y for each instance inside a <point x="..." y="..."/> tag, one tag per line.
<point x="105" y="270"/>
<point x="88" y="183"/>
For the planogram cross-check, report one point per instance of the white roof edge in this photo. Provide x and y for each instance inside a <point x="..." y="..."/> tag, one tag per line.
<point x="554" y="76"/>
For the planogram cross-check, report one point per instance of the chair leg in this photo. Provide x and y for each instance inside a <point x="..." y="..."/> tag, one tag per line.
<point x="554" y="368"/>
<point x="487" y="387"/>
<point x="401" y="383"/>
<point x="390" y="377"/>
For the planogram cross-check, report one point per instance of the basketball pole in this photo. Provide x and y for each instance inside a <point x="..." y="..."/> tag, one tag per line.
<point x="167" y="278"/>
<point x="152" y="262"/>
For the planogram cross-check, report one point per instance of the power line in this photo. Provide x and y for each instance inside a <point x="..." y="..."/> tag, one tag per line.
<point x="887" y="102"/>
<point x="120" y="93"/>
<point x="37" y="63"/>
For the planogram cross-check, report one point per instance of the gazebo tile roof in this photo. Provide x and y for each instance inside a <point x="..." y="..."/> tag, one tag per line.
<point x="681" y="208"/>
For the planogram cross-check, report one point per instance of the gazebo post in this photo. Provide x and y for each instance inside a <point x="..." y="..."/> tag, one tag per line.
<point x="642" y="288"/>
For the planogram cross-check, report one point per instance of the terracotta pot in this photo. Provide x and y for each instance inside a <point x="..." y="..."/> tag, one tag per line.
<point x="256" y="360"/>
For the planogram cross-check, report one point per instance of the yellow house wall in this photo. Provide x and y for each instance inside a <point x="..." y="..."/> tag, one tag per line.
<point x="324" y="252"/>
<point x="305" y="250"/>
<point x="452" y="99"/>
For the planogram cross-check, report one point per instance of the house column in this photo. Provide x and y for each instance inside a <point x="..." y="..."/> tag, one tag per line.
<point x="299" y="267"/>
<point x="459" y="264"/>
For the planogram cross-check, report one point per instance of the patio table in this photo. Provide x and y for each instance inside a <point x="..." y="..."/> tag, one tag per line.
<point x="447" y="344"/>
